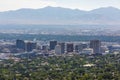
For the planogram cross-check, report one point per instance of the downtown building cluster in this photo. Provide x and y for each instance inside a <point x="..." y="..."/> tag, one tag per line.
<point x="92" y="47"/>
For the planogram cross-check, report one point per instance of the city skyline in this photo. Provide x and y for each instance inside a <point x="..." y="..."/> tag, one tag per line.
<point x="7" y="5"/>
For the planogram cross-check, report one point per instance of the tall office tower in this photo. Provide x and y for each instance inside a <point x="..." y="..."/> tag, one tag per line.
<point x="30" y="46"/>
<point x="69" y="47"/>
<point x="82" y="46"/>
<point x="76" y="48"/>
<point x="95" y="45"/>
<point x="20" y="44"/>
<point x="53" y="44"/>
<point x="58" y="49"/>
<point x="62" y="47"/>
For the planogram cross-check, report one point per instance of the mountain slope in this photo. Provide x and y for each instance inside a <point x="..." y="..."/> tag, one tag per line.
<point x="58" y="15"/>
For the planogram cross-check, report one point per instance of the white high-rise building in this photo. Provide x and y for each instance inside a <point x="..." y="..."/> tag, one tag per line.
<point x="58" y="49"/>
<point x="87" y="51"/>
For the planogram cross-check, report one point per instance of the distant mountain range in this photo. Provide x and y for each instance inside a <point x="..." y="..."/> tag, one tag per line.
<point x="61" y="16"/>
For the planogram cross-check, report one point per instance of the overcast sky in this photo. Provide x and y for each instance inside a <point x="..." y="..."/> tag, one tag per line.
<point x="6" y="5"/>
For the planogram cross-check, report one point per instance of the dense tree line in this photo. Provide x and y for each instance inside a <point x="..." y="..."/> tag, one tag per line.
<point x="104" y="67"/>
<point x="47" y="37"/>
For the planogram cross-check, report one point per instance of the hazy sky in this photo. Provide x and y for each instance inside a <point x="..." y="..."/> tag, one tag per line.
<point x="80" y="4"/>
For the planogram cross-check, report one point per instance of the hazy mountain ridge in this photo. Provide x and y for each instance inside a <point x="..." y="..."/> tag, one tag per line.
<point x="58" y="15"/>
